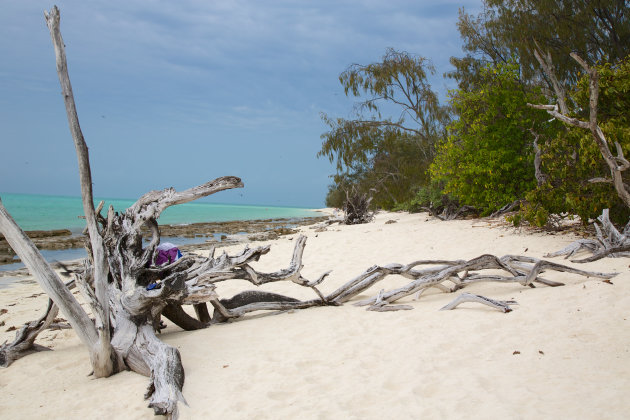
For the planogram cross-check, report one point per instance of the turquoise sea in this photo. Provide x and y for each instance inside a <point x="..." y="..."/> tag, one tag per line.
<point x="44" y="212"/>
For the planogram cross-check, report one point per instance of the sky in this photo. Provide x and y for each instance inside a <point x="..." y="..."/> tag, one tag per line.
<point x="177" y="93"/>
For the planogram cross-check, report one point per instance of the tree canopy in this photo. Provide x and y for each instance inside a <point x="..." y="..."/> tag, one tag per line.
<point x="389" y="141"/>
<point x="598" y="30"/>
<point x="487" y="148"/>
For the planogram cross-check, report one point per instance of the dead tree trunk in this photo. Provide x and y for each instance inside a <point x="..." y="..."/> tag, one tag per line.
<point x="357" y="208"/>
<point x="104" y="362"/>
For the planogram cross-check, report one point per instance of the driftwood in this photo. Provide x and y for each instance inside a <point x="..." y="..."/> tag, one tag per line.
<point x="357" y="208"/>
<point x="24" y="342"/>
<point x="609" y="242"/>
<point x="502" y="305"/>
<point x="523" y="270"/>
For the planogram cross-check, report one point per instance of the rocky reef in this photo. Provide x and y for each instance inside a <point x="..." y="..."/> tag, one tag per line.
<point x="215" y="233"/>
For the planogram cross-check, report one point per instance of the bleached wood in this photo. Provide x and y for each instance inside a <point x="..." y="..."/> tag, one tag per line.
<point x="522" y="270"/>
<point x="24" y="341"/>
<point x="102" y="352"/>
<point x="609" y="242"/>
<point x="48" y="279"/>
<point x="502" y="305"/>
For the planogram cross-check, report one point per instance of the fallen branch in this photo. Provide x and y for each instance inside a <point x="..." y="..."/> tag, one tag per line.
<point x="522" y="270"/>
<point x="24" y="342"/>
<point x="502" y="305"/>
<point x="609" y="242"/>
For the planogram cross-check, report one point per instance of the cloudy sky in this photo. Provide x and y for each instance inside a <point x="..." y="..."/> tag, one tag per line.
<point x="176" y="93"/>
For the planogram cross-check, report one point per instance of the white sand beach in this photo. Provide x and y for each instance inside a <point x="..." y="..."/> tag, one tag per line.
<point x="563" y="352"/>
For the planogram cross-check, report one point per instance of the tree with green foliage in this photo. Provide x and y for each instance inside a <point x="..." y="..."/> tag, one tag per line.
<point x="579" y="179"/>
<point x="534" y="31"/>
<point x="598" y="30"/>
<point x="487" y="160"/>
<point x="375" y="150"/>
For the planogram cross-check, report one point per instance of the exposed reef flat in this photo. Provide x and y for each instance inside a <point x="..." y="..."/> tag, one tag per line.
<point x="217" y="233"/>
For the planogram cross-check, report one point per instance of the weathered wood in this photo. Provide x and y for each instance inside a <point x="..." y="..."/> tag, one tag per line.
<point x="522" y="270"/>
<point x="502" y="305"/>
<point x="357" y="207"/>
<point x="102" y="351"/>
<point x="541" y="178"/>
<point x="48" y="279"/>
<point x="24" y="341"/>
<point x="544" y="59"/>
<point x="609" y="242"/>
<point x="179" y="317"/>
<point x="507" y="208"/>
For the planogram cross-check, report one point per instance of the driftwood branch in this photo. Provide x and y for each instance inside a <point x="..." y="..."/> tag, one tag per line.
<point x="449" y="211"/>
<point x="357" y="208"/>
<point x="507" y="208"/>
<point x="609" y="242"/>
<point x="522" y="270"/>
<point x="502" y="305"/>
<point x="24" y="341"/>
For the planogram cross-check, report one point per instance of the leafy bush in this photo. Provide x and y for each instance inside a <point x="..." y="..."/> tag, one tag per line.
<point x="428" y="197"/>
<point x="487" y="159"/>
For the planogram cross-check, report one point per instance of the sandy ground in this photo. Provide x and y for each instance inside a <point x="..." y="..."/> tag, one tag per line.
<point x="562" y="353"/>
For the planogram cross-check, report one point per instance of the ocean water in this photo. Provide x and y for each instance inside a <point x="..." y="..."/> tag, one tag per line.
<point x="43" y="212"/>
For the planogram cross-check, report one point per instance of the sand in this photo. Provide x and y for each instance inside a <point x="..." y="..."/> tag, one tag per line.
<point x="562" y="353"/>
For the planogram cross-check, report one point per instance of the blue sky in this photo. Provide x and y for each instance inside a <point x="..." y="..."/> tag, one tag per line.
<point x="176" y="93"/>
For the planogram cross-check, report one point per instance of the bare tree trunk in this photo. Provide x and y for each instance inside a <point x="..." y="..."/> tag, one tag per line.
<point x="544" y="59"/>
<point x="104" y="363"/>
<point x="541" y="178"/>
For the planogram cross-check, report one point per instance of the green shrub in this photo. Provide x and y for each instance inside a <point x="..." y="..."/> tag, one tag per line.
<point x="487" y="159"/>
